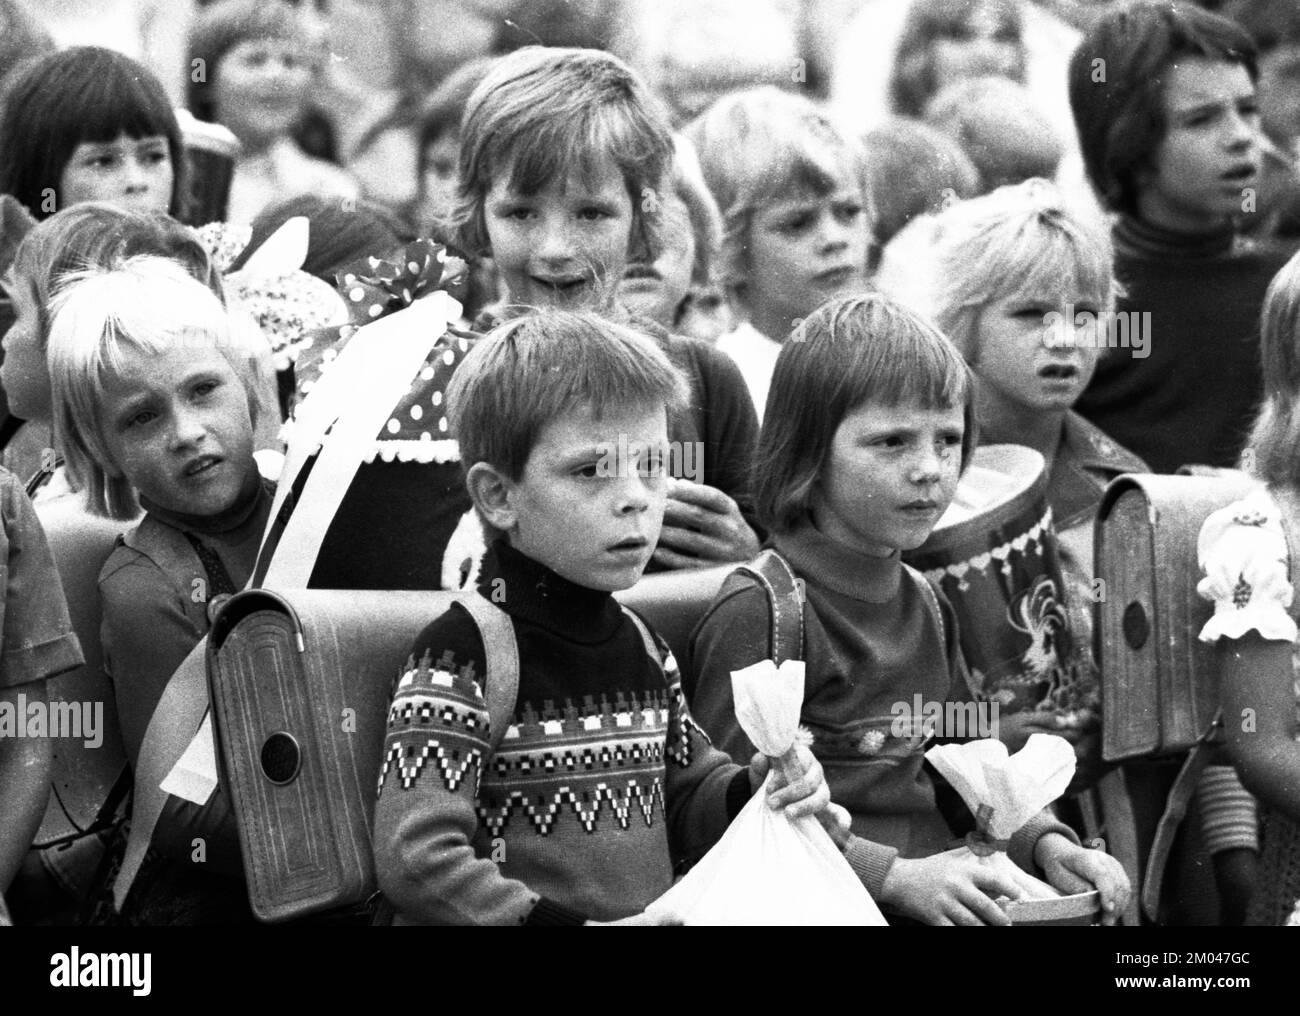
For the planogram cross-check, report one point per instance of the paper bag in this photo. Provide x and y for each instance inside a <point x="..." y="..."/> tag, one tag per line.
<point x="1004" y="792"/>
<point x="766" y="868"/>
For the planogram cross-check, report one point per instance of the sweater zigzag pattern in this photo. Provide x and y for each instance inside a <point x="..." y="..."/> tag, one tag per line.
<point x="610" y="755"/>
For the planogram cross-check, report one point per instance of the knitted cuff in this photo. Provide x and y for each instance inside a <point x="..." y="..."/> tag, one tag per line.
<point x="1026" y="839"/>
<point x="552" y="914"/>
<point x="870" y="861"/>
<point x="1229" y="820"/>
<point x="738" y="793"/>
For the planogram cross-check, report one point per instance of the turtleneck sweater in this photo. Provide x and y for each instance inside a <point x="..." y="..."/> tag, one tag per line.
<point x="872" y="644"/>
<point x="601" y="784"/>
<point x="1193" y="398"/>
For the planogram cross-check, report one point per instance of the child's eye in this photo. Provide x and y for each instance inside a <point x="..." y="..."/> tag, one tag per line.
<point x="206" y="387"/>
<point x="848" y="211"/>
<point x="594" y="213"/>
<point x="796" y="224"/>
<point x="156" y="156"/>
<point x="650" y="465"/>
<point x="588" y="471"/>
<point x="142" y="418"/>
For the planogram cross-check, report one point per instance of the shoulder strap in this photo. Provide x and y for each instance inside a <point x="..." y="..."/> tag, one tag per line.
<point x="932" y="601"/>
<point x="501" y="682"/>
<point x="651" y="643"/>
<point x="785" y="601"/>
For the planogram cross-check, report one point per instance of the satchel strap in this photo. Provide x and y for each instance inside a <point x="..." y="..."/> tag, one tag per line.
<point x="785" y="602"/>
<point x="501" y="683"/>
<point x="931" y="601"/>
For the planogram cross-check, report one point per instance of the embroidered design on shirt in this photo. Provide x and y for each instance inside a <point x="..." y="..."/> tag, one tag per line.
<point x="1250" y="517"/>
<point x="1241" y="594"/>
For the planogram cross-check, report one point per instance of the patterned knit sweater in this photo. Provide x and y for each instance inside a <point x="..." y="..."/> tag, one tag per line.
<point x="601" y="785"/>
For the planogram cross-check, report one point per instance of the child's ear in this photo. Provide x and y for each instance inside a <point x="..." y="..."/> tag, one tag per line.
<point x="492" y="493"/>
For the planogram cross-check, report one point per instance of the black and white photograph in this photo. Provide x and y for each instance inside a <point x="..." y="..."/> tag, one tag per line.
<point x="726" y="463"/>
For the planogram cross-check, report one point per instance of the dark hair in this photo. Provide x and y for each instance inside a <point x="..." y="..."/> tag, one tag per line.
<point x="342" y="231"/>
<point x="912" y="83"/>
<point x="539" y="367"/>
<point x="913" y="169"/>
<point x="1268" y="22"/>
<point x="541" y="113"/>
<point x="1117" y="80"/>
<point x="847" y="352"/>
<point x="219" y="29"/>
<point x="83" y="94"/>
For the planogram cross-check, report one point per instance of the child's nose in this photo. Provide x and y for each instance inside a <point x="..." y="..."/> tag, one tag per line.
<point x="834" y="234"/>
<point x="188" y="427"/>
<point x="556" y="242"/>
<point x="137" y="176"/>
<point x="928" y="467"/>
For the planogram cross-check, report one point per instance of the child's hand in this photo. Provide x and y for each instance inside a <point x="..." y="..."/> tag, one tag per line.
<point x="702" y="526"/>
<point x="641" y="920"/>
<point x="799" y="785"/>
<point x="948" y="888"/>
<point x="1074" y="869"/>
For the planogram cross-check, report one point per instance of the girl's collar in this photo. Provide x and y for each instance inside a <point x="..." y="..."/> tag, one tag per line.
<point x="825" y="562"/>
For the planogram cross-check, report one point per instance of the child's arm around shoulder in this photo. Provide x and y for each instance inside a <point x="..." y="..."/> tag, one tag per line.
<point x="426" y="814"/>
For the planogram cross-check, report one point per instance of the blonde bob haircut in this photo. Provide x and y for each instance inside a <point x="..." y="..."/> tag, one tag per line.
<point x="149" y="304"/>
<point x="764" y="145"/>
<point x="1273" y="452"/>
<point x="1022" y="240"/>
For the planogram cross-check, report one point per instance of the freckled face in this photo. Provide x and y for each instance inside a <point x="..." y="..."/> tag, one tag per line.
<point x="177" y="425"/>
<point x="891" y="474"/>
<point x="566" y="245"/>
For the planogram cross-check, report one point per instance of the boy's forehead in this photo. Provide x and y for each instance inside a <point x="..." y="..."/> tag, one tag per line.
<point x="1194" y="81"/>
<point x="585" y="426"/>
<point x="596" y="174"/>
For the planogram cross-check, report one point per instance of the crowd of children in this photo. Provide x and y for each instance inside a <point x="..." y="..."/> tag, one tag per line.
<point x="740" y="342"/>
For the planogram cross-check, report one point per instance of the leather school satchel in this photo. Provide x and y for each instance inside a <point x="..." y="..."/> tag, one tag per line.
<point x="1159" y="691"/>
<point x="299" y="684"/>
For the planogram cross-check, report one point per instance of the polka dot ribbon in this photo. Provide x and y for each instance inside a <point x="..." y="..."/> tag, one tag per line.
<point x="374" y="288"/>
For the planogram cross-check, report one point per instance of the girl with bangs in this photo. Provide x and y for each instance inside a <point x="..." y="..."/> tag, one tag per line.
<point x="89" y="124"/>
<point x="796" y="218"/>
<point x="869" y="425"/>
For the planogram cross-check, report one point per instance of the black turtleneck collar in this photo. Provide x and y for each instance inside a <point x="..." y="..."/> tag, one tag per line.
<point x="528" y="590"/>
<point x="1141" y="237"/>
<point x="257" y="494"/>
